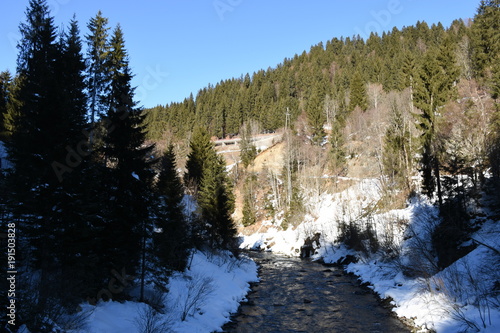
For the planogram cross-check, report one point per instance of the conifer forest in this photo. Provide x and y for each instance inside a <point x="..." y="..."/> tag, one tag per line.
<point x="103" y="201"/>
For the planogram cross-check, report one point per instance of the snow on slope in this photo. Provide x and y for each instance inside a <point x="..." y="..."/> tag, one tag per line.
<point x="464" y="297"/>
<point x="220" y="279"/>
<point x="326" y="213"/>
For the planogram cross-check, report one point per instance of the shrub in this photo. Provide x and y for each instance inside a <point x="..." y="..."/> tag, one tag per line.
<point x="151" y="321"/>
<point x="357" y="238"/>
<point x="453" y="230"/>
<point x="198" y="289"/>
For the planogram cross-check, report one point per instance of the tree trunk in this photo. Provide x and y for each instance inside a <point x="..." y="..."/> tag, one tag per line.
<point x="438" y="181"/>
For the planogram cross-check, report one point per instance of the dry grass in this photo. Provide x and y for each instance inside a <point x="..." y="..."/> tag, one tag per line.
<point x="271" y="159"/>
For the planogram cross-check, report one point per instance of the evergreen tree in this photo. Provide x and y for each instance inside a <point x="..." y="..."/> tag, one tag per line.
<point x="185" y="120"/>
<point x="234" y="115"/>
<point x="434" y="86"/>
<point x="31" y="149"/>
<point x="5" y="83"/>
<point x="171" y="242"/>
<point x="248" y="211"/>
<point x="129" y="174"/>
<point x="358" y="96"/>
<point x="201" y="147"/>
<point x="486" y="37"/>
<point x="71" y="88"/>
<point x="408" y="69"/>
<point x="155" y="123"/>
<point x="12" y="87"/>
<point x="216" y="204"/>
<point x="220" y="108"/>
<point x="337" y="150"/>
<point x="485" y="41"/>
<point x="396" y="157"/>
<point x="248" y="152"/>
<point x="74" y="229"/>
<point x="249" y="216"/>
<point x="264" y="104"/>
<point x="97" y="76"/>
<point x="83" y="193"/>
<point x="38" y="139"/>
<point x="315" y="112"/>
<point x="295" y="209"/>
<point x="495" y="84"/>
<point x="47" y="119"/>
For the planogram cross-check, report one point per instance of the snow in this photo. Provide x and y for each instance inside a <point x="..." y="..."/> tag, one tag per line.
<point x="112" y="317"/>
<point x="215" y="283"/>
<point x="230" y="282"/>
<point x="439" y="302"/>
<point x="4" y="163"/>
<point x="464" y="297"/>
<point x="190" y="205"/>
<point x="325" y="214"/>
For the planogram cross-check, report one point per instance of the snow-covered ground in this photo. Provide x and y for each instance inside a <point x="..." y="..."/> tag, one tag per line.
<point x="464" y="297"/>
<point x="4" y="163"/>
<point x="204" y="296"/>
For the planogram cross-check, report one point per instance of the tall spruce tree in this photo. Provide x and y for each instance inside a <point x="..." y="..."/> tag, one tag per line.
<point x="5" y="87"/>
<point x="396" y="158"/>
<point x="248" y="151"/>
<point x="201" y="147"/>
<point x="97" y="75"/>
<point x="11" y="103"/>
<point x="172" y="241"/>
<point x="485" y="37"/>
<point x="249" y="200"/>
<point x="47" y="120"/>
<point x="31" y="148"/>
<point x="315" y="112"/>
<point x="36" y="141"/>
<point x="485" y="41"/>
<point x="72" y="98"/>
<point x="79" y="201"/>
<point x="408" y="71"/>
<point x="216" y="204"/>
<point x="337" y="141"/>
<point x="434" y="86"/>
<point x="129" y="175"/>
<point x="358" y="96"/>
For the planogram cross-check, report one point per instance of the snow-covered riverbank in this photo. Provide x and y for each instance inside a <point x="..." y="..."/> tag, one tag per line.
<point x="200" y="299"/>
<point x="464" y="296"/>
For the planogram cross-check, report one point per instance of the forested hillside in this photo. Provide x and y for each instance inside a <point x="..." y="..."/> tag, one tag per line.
<point x="98" y="189"/>
<point x="420" y="101"/>
<point x="331" y="80"/>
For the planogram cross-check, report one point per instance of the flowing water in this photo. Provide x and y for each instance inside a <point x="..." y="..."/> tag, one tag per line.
<point x="297" y="295"/>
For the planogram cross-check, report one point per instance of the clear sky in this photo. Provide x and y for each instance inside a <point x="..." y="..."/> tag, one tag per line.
<point x="177" y="47"/>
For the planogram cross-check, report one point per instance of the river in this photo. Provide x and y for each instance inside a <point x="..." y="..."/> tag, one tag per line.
<point x="298" y="295"/>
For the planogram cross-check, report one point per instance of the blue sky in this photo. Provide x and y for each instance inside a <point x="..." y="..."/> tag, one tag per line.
<point x="178" y="47"/>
